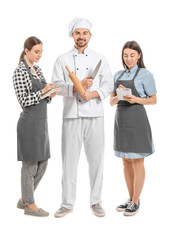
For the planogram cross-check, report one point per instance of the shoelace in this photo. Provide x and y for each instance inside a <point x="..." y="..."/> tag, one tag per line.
<point x="131" y="206"/>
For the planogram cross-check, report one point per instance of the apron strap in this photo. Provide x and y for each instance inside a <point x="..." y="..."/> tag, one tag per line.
<point x="121" y="75"/>
<point x="136" y="73"/>
<point x="125" y="71"/>
<point x="31" y="76"/>
<point x="28" y="70"/>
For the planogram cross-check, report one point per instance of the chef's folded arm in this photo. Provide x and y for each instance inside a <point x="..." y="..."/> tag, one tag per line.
<point x="59" y="79"/>
<point x="106" y="84"/>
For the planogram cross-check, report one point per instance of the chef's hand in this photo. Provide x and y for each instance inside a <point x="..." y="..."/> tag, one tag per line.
<point x="87" y="82"/>
<point x="47" y="87"/>
<point x="86" y="96"/>
<point x="131" y="98"/>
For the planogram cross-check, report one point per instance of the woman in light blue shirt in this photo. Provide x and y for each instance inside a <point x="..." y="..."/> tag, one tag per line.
<point x="132" y="133"/>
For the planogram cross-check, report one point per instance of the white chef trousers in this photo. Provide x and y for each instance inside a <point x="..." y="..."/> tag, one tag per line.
<point x="76" y="131"/>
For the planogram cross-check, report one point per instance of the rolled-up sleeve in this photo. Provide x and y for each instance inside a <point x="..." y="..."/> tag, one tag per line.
<point x="149" y="84"/>
<point x="106" y="81"/>
<point x="58" y="78"/>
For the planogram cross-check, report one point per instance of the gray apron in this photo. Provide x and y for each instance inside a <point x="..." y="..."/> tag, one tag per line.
<point x="132" y="132"/>
<point x="32" y="128"/>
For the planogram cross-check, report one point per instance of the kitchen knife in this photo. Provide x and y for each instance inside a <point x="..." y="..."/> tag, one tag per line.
<point x="92" y="76"/>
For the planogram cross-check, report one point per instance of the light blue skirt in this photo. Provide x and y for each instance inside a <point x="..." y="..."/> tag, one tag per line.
<point x="133" y="155"/>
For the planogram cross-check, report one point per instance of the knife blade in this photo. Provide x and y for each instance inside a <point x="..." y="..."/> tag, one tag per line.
<point x="94" y="73"/>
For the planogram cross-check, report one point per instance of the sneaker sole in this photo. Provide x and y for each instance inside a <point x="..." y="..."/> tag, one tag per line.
<point x="130" y="213"/>
<point x="36" y="215"/>
<point x="63" y="214"/>
<point x="120" y="209"/>
<point x="30" y="212"/>
<point x="98" y="214"/>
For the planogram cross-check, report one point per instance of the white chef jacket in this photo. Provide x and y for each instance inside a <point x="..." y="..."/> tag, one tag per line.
<point x="82" y="65"/>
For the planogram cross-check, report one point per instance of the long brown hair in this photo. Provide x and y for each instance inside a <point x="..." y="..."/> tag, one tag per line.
<point x="135" y="46"/>
<point x="29" y="43"/>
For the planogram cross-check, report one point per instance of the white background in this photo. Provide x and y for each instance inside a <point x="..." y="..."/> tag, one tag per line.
<point x="114" y="23"/>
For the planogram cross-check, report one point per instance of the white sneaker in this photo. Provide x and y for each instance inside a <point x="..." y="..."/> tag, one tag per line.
<point x="98" y="210"/>
<point x="62" y="212"/>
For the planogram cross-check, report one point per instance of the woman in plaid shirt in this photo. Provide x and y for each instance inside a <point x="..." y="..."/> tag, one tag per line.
<point x="32" y="132"/>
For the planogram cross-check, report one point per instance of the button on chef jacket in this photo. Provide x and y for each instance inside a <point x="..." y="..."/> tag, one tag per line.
<point x="82" y="65"/>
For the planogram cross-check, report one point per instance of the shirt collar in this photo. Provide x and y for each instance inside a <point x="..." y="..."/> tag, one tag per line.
<point x="31" y="70"/>
<point x="23" y="65"/>
<point x="86" y="50"/>
<point x="132" y="70"/>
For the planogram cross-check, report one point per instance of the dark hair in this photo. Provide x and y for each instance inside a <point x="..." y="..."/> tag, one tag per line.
<point x="135" y="46"/>
<point x="29" y="43"/>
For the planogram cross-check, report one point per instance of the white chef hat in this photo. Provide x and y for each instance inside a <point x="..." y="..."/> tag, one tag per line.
<point x="79" y="23"/>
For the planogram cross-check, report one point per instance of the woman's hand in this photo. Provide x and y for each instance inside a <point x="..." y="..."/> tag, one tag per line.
<point x="53" y="95"/>
<point x="131" y="99"/>
<point x="143" y="101"/>
<point x="113" y="99"/>
<point x="121" y="86"/>
<point x="47" y="87"/>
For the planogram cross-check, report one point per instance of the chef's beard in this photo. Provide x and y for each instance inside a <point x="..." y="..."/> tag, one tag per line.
<point x="84" y="44"/>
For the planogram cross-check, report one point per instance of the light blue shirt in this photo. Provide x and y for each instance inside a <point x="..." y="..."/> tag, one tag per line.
<point x="144" y="81"/>
<point x="145" y="86"/>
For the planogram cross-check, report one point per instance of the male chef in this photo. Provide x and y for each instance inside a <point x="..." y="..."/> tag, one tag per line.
<point x="83" y="116"/>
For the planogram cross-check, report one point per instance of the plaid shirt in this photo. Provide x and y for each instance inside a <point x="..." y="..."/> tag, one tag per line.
<point x="23" y="85"/>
